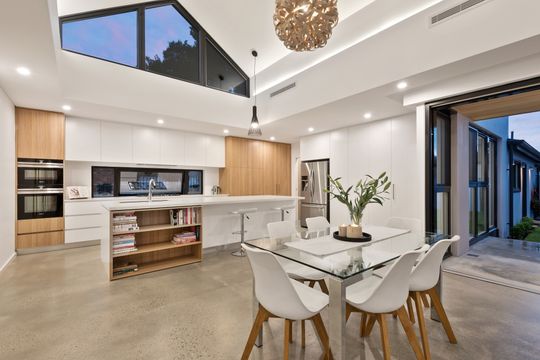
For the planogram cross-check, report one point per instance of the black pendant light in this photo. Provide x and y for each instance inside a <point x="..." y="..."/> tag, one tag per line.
<point x="254" y="128"/>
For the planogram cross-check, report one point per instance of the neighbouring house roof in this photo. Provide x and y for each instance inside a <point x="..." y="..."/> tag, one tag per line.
<point x="526" y="149"/>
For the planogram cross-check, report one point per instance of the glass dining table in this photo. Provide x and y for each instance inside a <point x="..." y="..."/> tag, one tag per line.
<point x="345" y="263"/>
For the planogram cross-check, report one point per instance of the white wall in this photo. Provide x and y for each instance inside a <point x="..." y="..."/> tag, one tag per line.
<point x="7" y="179"/>
<point x="387" y="145"/>
<point x="79" y="173"/>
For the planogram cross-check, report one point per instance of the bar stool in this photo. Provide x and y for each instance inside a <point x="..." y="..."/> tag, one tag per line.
<point x="243" y="216"/>
<point x="285" y="210"/>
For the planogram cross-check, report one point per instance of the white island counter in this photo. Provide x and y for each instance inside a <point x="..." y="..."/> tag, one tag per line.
<point x="217" y="221"/>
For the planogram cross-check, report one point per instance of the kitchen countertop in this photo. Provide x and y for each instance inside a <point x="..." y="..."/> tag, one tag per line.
<point x="127" y="198"/>
<point x="138" y="203"/>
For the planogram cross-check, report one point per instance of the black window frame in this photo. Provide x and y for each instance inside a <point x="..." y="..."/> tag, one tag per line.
<point x="140" y="8"/>
<point x="517" y="176"/>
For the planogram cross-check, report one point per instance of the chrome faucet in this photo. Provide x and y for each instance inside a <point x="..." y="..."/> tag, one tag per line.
<point x="151" y="186"/>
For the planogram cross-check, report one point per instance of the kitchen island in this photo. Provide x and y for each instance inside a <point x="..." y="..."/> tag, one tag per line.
<point x="207" y="219"/>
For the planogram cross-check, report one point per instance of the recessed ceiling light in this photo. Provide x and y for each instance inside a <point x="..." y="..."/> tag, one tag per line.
<point x="24" y="71"/>
<point x="402" y="85"/>
<point x="272" y="138"/>
<point x="310" y="129"/>
<point x="226" y="131"/>
<point x="160" y="121"/>
<point x="367" y="115"/>
<point x="66" y="107"/>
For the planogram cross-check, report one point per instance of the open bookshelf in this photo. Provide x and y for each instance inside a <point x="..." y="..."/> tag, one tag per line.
<point x="146" y="240"/>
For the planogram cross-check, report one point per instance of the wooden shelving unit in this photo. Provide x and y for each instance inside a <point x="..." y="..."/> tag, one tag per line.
<point x="153" y="242"/>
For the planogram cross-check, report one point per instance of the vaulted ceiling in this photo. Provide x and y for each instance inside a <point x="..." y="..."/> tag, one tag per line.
<point x="375" y="44"/>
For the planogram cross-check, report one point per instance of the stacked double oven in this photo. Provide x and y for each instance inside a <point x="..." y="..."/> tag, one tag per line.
<point x="40" y="189"/>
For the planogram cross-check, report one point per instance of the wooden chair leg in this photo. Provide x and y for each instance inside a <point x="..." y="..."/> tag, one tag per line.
<point x="363" y="324"/>
<point x="410" y="309"/>
<point x="408" y="327"/>
<point x="303" y="324"/>
<point x="323" y="286"/>
<point x="370" y="323"/>
<point x="425" y="300"/>
<point x="286" y="339"/>
<point x="290" y="331"/>
<point x="422" y="324"/>
<point x="323" y="336"/>
<point x="348" y="312"/>
<point x="312" y="283"/>
<point x="384" y="336"/>
<point x="257" y="325"/>
<point x="436" y="301"/>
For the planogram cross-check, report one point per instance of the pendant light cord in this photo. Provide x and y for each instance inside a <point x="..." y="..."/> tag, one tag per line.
<point x="255" y="78"/>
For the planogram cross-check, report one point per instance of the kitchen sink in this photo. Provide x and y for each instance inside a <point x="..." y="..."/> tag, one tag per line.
<point x="142" y="201"/>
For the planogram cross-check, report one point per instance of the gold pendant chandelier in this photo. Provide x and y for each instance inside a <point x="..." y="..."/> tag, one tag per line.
<point x="305" y="25"/>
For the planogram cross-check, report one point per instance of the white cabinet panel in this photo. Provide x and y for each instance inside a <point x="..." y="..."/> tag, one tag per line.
<point x="195" y="149"/>
<point x="79" y="235"/>
<point x="146" y="145"/>
<point x="172" y="147"/>
<point x="370" y="153"/>
<point x="83" y="208"/>
<point x="84" y="221"/>
<point x="339" y="167"/>
<point x="315" y="147"/>
<point x="405" y="169"/>
<point x="83" y="139"/>
<point x="116" y="142"/>
<point x="215" y="151"/>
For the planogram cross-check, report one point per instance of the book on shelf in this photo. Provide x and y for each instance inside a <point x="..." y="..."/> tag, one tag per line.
<point x="124" y="251"/>
<point x="125" y="268"/>
<point x="185" y="216"/>
<point x="184" y="238"/>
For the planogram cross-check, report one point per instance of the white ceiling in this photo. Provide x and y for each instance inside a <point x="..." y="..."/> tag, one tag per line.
<point x="376" y="44"/>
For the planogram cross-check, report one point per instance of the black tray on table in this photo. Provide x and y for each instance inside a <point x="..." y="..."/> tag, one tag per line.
<point x="365" y="237"/>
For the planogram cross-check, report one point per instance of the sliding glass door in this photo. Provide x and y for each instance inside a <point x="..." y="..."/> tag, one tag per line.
<point x="441" y="172"/>
<point x="482" y="183"/>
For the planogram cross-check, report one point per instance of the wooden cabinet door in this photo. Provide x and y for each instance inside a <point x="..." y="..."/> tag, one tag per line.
<point x="236" y="152"/>
<point x="40" y="134"/>
<point x="283" y="169"/>
<point x="269" y="169"/>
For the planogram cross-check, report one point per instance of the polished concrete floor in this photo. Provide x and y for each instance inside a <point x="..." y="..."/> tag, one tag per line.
<point x="60" y="305"/>
<point x="513" y="263"/>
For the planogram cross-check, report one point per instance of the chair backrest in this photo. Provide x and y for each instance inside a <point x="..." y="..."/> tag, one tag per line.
<point x="426" y="273"/>
<point x="414" y="225"/>
<point x="281" y="229"/>
<point x="393" y="290"/>
<point x="316" y="224"/>
<point x="273" y="288"/>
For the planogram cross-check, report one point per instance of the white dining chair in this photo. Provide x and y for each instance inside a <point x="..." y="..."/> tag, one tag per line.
<point x="375" y="297"/>
<point x="317" y="224"/>
<point x="281" y="297"/>
<point x="286" y="229"/>
<point x="413" y="225"/>
<point x="424" y="278"/>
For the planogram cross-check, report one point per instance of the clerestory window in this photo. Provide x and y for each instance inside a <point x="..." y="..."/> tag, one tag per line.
<point x="158" y="37"/>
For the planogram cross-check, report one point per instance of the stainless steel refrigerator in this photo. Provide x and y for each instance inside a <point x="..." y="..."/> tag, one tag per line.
<point x="314" y="180"/>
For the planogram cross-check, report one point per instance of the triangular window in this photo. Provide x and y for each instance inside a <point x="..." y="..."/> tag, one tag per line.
<point x="161" y="38"/>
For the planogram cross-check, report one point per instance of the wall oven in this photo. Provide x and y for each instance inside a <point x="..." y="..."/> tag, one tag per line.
<point x="40" y="174"/>
<point x="37" y="203"/>
<point x="40" y="189"/>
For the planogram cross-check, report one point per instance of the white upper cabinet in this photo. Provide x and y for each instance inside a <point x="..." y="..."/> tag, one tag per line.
<point x="315" y="147"/>
<point x="195" y="149"/>
<point x="116" y="142"/>
<point x="83" y="139"/>
<point x="172" y="147"/>
<point x="146" y="145"/>
<point x="215" y="151"/>
<point x="94" y="140"/>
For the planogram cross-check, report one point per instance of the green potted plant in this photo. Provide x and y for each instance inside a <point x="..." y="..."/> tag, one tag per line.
<point x="367" y="191"/>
